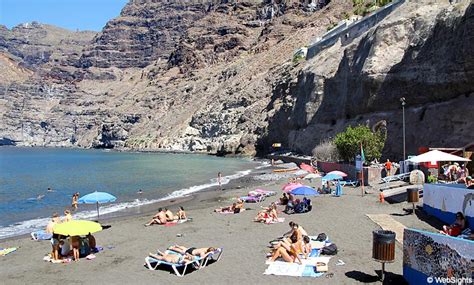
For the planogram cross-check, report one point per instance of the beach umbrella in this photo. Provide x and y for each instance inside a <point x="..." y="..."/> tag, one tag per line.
<point x="436" y="155"/>
<point x="305" y="191"/>
<point x="77" y="228"/>
<point x="337" y="172"/>
<point x="291" y="186"/>
<point x="331" y="176"/>
<point x="307" y="167"/>
<point x="97" y="198"/>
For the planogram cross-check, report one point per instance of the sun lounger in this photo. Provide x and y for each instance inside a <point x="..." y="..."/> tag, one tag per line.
<point x="41" y="235"/>
<point x="349" y="182"/>
<point x="397" y="177"/>
<point x="176" y="266"/>
<point x="253" y="199"/>
<point x="264" y="192"/>
<point x="215" y="256"/>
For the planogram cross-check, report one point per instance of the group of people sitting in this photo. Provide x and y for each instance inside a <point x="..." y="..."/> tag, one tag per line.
<point x="268" y="214"/>
<point x="186" y="254"/>
<point x="293" y="205"/>
<point x="292" y="246"/>
<point x="165" y="215"/>
<point x="235" y="208"/>
<point x="74" y="247"/>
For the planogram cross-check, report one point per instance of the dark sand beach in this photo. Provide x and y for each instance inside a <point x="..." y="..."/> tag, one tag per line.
<point x="244" y="243"/>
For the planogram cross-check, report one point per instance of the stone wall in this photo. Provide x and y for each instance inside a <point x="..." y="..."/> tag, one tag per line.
<point x="354" y="30"/>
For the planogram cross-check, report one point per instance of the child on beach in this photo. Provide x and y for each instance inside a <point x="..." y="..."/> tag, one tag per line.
<point x="67" y="216"/>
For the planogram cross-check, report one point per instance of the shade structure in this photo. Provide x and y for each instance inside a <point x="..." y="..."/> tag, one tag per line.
<point x="77" y="228"/>
<point x="97" y="198"/>
<point x="290" y="186"/>
<point x="338" y="172"/>
<point x="332" y="176"/>
<point x="435" y="156"/>
<point x="305" y="191"/>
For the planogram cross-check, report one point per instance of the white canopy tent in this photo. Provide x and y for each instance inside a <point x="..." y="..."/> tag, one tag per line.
<point x="435" y="156"/>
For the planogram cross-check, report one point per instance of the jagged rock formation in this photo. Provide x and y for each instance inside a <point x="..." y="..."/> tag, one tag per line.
<point x="218" y="78"/>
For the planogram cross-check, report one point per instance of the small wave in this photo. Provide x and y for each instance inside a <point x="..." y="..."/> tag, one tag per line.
<point x="29" y="226"/>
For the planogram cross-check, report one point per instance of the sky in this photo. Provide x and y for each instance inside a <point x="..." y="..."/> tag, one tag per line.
<point x="69" y="14"/>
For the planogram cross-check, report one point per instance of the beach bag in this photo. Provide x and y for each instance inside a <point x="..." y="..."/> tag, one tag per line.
<point x="321" y="267"/>
<point x="322" y="237"/>
<point x="329" y="249"/>
<point x="84" y="249"/>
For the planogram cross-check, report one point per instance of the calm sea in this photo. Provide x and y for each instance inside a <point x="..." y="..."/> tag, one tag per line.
<point x="26" y="174"/>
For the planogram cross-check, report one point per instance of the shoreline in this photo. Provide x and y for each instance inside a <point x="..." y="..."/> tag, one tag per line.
<point x="150" y="207"/>
<point x="127" y="242"/>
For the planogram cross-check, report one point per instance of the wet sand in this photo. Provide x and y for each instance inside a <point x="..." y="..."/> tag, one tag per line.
<point x="244" y="243"/>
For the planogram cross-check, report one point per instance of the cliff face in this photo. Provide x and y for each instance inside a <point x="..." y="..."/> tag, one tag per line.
<point x="218" y="78"/>
<point x="422" y="52"/>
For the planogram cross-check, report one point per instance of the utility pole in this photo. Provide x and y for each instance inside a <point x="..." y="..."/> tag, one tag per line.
<point x="402" y="100"/>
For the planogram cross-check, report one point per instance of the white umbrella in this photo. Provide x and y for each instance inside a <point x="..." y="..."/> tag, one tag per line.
<point x="436" y="155"/>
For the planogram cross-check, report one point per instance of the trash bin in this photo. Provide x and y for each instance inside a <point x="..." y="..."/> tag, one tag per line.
<point x="412" y="195"/>
<point x="383" y="247"/>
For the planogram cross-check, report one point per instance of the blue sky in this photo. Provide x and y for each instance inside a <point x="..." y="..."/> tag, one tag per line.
<point x="69" y="14"/>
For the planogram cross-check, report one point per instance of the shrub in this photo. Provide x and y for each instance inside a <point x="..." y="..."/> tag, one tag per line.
<point x="326" y="151"/>
<point x="348" y="143"/>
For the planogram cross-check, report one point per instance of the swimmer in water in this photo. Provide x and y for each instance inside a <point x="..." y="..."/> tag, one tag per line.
<point x="140" y="191"/>
<point x="50" y="190"/>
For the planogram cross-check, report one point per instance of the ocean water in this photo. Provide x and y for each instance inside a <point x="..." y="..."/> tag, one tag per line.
<point x="26" y="174"/>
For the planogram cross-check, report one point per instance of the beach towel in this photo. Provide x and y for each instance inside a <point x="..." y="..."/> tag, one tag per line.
<point x="174" y="223"/>
<point x="5" y="251"/>
<point x="272" y="221"/>
<point x="307" y="269"/>
<point x="231" y="212"/>
<point x="41" y="235"/>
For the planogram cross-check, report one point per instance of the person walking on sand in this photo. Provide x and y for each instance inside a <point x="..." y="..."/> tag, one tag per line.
<point x="75" y="197"/>
<point x="388" y="167"/>
<point x="219" y="180"/>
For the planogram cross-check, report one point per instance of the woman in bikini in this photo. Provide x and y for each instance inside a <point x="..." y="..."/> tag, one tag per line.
<point x="181" y="215"/>
<point x="289" y="255"/>
<point x="173" y="258"/>
<point x="201" y="252"/>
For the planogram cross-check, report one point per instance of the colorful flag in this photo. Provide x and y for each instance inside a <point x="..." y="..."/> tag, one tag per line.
<point x="362" y="156"/>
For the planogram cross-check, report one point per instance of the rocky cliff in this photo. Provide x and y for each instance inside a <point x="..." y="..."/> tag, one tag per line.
<point x="219" y="78"/>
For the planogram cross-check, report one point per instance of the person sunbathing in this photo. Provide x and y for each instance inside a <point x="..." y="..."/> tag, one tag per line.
<point x="306" y="246"/>
<point x="169" y="215"/>
<point x="284" y="200"/>
<point x="295" y="227"/>
<point x="181" y="214"/>
<point x="456" y="228"/>
<point x="294" y="239"/>
<point x="172" y="258"/>
<point x="235" y="208"/>
<point x="229" y="209"/>
<point x="267" y="214"/>
<point x="201" y="252"/>
<point x="158" y="219"/>
<point x="289" y="255"/>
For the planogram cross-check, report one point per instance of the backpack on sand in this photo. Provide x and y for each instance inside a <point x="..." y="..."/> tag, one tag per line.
<point x="329" y="249"/>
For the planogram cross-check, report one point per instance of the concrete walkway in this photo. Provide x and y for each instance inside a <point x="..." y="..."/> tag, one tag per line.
<point x="386" y="222"/>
